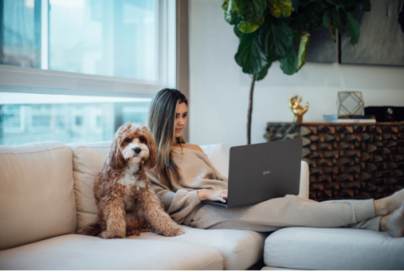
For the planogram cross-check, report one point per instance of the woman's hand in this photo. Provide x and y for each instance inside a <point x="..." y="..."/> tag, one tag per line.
<point x="213" y="195"/>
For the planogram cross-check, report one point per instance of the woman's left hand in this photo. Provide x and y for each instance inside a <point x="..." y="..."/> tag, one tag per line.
<point x="213" y="195"/>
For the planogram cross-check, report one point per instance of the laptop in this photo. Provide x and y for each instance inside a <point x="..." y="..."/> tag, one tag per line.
<point x="259" y="172"/>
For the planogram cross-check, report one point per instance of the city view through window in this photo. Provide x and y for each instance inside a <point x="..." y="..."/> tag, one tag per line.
<point x="27" y="118"/>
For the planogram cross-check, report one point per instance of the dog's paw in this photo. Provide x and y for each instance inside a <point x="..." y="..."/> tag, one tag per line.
<point x="132" y="232"/>
<point x="106" y="235"/>
<point x="115" y="236"/>
<point x="175" y="231"/>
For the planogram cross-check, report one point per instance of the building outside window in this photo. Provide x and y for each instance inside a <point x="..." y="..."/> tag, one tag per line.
<point x="65" y="120"/>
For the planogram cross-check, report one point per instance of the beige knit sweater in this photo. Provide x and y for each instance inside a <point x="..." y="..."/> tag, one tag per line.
<point x="197" y="173"/>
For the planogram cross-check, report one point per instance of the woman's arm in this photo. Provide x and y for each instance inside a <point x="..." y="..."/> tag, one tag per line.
<point x="177" y="204"/>
<point x="181" y="203"/>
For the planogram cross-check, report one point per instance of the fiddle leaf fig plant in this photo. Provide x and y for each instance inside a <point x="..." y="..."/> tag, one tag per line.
<point x="278" y="30"/>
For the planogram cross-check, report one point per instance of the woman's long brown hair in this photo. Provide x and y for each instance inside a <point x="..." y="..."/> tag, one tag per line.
<point x="161" y="122"/>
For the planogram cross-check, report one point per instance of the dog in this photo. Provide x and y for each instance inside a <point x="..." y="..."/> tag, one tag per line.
<point x="127" y="205"/>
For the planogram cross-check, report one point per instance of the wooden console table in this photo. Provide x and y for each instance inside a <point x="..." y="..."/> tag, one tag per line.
<point x="348" y="160"/>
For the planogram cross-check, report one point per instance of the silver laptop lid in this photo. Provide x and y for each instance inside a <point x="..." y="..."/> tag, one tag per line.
<point x="260" y="172"/>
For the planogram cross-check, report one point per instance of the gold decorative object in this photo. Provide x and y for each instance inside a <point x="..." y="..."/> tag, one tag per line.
<point x="297" y="108"/>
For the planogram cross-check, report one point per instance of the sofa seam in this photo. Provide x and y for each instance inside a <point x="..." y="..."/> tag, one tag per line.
<point x="40" y="151"/>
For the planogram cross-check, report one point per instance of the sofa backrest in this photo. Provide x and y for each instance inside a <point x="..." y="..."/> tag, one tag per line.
<point x="87" y="163"/>
<point x="36" y="193"/>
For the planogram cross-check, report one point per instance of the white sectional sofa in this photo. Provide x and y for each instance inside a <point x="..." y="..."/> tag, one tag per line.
<point x="46" y="195"/>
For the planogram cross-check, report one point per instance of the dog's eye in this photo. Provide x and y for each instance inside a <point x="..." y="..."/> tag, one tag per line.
<point x="127" y="141"/>
<point x="142" y="139"/>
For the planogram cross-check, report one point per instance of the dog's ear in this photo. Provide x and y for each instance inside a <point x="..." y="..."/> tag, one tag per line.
<point x="151" y="144"/>
<point x="116" y="160"/>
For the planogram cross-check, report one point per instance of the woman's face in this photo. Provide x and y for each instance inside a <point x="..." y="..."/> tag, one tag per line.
<point x="180" y="119"/>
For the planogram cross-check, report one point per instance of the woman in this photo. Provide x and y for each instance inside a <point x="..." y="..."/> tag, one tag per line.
<point x="184" y="177"/>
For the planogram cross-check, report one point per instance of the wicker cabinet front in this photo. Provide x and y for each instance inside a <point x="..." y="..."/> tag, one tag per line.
<point x="348" y="160"/>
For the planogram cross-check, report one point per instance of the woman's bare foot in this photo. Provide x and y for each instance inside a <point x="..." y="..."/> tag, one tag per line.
<point x="394" y="223"/>
<point x="387" y="205"/>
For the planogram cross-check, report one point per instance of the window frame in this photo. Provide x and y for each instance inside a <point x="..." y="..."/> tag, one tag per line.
<point x="43" y="81"/>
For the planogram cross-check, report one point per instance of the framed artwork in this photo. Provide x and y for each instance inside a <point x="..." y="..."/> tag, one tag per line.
<point x="381" y="40"/>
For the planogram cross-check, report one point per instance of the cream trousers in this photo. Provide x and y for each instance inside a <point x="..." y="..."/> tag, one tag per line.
<point x="289" y="211"/>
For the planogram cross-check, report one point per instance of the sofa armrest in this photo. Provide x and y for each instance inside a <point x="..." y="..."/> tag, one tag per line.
<point x="304" y="180"/>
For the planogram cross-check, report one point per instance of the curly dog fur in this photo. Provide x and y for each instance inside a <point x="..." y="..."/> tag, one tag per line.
<point x="126" y="203"/>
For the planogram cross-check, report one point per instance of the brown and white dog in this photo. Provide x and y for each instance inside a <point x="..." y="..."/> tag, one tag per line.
<point x="126" y="203"/>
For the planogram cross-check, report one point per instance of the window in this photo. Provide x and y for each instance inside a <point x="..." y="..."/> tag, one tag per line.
<point x="74" y="70"/>
<point x="103" y="37"/>
<point x="65" y="118"/>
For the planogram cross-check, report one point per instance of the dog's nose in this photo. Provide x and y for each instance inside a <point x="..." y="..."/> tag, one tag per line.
<point x="137" y="150"/>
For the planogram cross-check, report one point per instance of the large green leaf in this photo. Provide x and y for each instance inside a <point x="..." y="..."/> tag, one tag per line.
<point x="308" y="16"/>
<point x="276" y="39"/>
<point x="237" y="32"/>
<point x="289" y="63"/>
<point x="225" y="5"/>
<point x="366" y="6"/>
<point x="313" y="13"/>
<point x="306" y="2"/>
<point x="354" y="30"/>
<point x="230" y="12"/>
<point x="295" y="5"/>
<point x="249" y="55"/>
<point x="250" y="10"/>
<point x="339" y="20"/>
<point x="303" y="49"/>
<point x="247" y="27"/>
<point x="328" y="23"/>
<point x="280" y="8"/>
<point x="263" y="72"/>
<point x="341" y="3"/>
<point x="351" y="8"/>
<point x="298" y="22"/>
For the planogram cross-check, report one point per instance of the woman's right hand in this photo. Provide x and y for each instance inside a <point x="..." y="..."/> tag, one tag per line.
<point x="213" y="195"/>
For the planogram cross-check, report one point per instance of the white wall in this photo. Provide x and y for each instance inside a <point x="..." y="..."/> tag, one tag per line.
<point x="219" y="90"/>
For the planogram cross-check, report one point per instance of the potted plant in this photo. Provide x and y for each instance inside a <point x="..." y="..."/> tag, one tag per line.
<point x="270" y="30"/>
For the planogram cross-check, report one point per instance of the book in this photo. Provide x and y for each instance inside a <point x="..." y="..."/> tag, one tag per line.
<point x="356" y="121"/>
<point x="348" y="119"/>
<point x="330" y="118"/>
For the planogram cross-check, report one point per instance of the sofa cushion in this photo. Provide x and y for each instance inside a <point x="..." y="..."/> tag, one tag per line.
<point x="36" y="193"/>
<point x="87" y="163"/>
<point x="218" y="157"/>
<point x="333" y="248"/>
<point x="79" y="252"/>
<point x="240" y="248"/>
